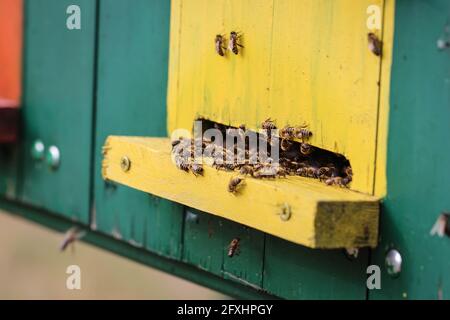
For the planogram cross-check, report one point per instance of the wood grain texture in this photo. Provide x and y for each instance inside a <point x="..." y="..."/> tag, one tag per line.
<point x="131" y="99"/>
<point x="418" y="153"/>
<point x="58" y="106"/>
<point x="351" y="218"/>
<point x="303" y="62"/>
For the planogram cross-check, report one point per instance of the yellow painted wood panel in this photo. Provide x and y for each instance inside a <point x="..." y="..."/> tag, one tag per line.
<point x="227" y="88"/>
<point x="304" y="61"/>
<point x="321" y="216"/>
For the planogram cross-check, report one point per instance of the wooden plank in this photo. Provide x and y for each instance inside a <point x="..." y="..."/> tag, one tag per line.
<point x="58" y="106"/>
<point x="206" y="245"/>
<point x="295" y="272"/>
<point x="418" y="152"/>
<point x="303" y="62"/>
<point x="132" y="81"/>
<point x="321" y="216"/>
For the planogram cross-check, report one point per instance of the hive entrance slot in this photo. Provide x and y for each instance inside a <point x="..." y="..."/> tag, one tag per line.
<point x="262" y="154"/>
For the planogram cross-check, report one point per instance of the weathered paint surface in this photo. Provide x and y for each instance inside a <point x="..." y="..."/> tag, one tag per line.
<point x="302" y="62"/>
<point x="418" y="154"/>
<point x="58" y="106"/>
<point x="131" y="99"/>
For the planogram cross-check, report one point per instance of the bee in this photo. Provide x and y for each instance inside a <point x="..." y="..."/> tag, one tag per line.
<point x="348" y="171"/>
<point x="351" y="253"/>
<point x="375" y="44"/>
<point x="233" y="248"/>
<point x="306" y="149"/>
<point x="234" y="184"/>
<point x="268" y="124"/>
<point x="281" y="172"/>
<point x="303" y="171"/>
<point x="285" y="144"/>
<point x="182" y="163"/>
<point x="324" y="173"/>
<point x="220" y="48"/>
<point x="234" y="44"/>
<point x="311" y="172"/>
<point x="71" y="235"/>
<point x="197" y="169"/>
<point x="335" y="181"/>
<point x="303" y="133"/>
<point x="441" y="226"/>
<point x="246" y="170"/>
<point x="287" y="132"/>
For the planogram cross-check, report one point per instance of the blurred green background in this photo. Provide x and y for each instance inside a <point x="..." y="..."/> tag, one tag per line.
<point x="32" y="267"/>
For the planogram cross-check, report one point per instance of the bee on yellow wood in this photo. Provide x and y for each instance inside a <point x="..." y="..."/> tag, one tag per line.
<point x="71" y="235"/>
<point x="375" y="44"/>
<point x="324" y="173"/>
<point x="182" y="163"/>
<point x="234" y="184"/>
<point x="268" y="124"/>
<point x="306" y="149"/>
<point x="303" y="133"/>
<point x="337" y="181"/>
<point x="197" y="169"/>
<point x="234" y="44"/>
<point x="285" y="144"/>
<point x="246" y="170"/>
<point x="219" y="44"/>
<point x="287" y="132"/>
<point x="233" y="248"/>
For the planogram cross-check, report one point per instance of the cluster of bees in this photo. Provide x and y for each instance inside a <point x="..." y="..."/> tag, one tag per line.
<point x="295" y="157"/>
<point x="233" y="43"/>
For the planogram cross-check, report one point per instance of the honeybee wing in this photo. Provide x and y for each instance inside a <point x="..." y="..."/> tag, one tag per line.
<point x="439" y="226"/>
<point x="70" y="236"/>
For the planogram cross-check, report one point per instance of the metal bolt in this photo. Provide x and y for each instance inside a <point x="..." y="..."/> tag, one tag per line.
<point x="38" y="150"/>
<point x="53" y="157"/>
<point x="393" y="263"/>
<point x="125" y="163"/>
<point x="285" y="212"/>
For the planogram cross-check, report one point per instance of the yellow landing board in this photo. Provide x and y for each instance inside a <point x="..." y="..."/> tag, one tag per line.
<point x="297" y="209"/>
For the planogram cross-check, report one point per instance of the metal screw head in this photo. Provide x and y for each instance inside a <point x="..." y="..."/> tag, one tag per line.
<point x="53" y="157"/>
<point x="393" y="263"/>
<point x="285" y="212"/>
<point x="38" y="150"/>
<point x="125" y="163"/>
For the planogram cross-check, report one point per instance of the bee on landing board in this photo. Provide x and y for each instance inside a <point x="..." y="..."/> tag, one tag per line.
<point x="375" y="44"/>
<point x="234" y="184"/>
<point x="71" y="235"/>
<point x="234" y="44"/>
<point x="197" y="169"/>
<point x="233" y="248"/>
<point x="219" y="45"/>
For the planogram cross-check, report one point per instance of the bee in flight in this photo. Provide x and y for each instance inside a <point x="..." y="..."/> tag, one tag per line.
<point x="233" y="248"/>
<point x="234" y="44"/>
<point x="71" y="235"/>
<point x="219" y="44"/>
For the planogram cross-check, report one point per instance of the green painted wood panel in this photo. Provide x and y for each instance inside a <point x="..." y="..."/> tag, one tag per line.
<point x="58" y="105"/>
<point x="8" y="171"/>
<point x="131" y="100"/>
<point x="206" y="243"/>
<point x="418" y="181"/>
<point x="295" y="272"/>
